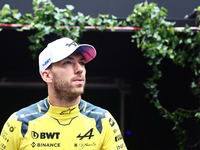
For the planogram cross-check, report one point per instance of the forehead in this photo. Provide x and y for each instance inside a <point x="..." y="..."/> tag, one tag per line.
<point x="74" y="57"/>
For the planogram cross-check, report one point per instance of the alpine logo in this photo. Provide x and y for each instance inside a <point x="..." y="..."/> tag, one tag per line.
<point x="88" y="134"/>
<point x="73" y="43"/>
<point x="68" y="111"/>
<point x="45" y="135"/>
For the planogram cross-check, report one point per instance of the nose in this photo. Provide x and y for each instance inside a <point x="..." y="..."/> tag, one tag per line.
<point x="78" y="69"/>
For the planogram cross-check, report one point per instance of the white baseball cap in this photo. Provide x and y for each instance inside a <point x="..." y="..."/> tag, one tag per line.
<point x="62" y="48"/>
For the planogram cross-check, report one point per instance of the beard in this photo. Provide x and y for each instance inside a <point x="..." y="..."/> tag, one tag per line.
<point x="64" y="90"/>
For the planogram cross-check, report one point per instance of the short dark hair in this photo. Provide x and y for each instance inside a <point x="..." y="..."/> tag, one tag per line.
<point x="49" y="67"/>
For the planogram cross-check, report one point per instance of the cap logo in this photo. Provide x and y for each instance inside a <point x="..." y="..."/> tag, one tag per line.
<point x="72" y="43"/>
<point x="46" y="62"/>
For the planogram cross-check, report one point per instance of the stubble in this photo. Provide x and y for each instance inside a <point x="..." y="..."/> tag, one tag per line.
<point x="65" y="90"/>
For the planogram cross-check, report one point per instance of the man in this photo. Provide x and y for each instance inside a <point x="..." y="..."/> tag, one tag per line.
<point x="62" y="121"/>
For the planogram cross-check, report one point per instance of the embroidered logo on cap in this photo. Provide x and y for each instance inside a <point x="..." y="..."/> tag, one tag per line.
<point x="46" y="62"/>
<point x="73" y="43"/>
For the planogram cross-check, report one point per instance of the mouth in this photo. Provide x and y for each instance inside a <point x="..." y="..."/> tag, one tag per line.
<point x="79" y="80"/>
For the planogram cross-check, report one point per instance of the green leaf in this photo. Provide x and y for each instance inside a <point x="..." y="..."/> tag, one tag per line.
<point x="158" y="60"/>
<point x="29" y="15"/>
<point x="17" y="16"/>
<point x="188" y="41"/>
<point x="197" y="115"/>
<point x="6" y="9"/>
<point x="75" y="32"/>
<point x="70" y="7"/>
<point x="150" y="62"/>
<point x="32" y="48"/>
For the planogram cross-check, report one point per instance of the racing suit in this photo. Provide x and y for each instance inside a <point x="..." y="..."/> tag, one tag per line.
<point x="42" y="126"/>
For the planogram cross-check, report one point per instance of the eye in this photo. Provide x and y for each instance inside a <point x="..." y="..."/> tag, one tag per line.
<point x="82" y="63"/>
<point x="67" y="62"/>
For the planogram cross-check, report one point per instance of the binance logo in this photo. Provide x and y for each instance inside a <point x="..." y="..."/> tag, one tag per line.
<point x="33" y="144"/>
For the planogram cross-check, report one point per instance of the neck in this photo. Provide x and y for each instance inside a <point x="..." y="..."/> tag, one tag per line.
<point x="64" y="101"/>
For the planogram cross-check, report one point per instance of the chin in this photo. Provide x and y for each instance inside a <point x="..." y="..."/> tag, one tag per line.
<point x="79" y="92"/>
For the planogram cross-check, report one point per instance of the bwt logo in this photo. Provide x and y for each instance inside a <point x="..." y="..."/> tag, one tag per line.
<point x="45" y="135"/>
<point x="46" y="62"/>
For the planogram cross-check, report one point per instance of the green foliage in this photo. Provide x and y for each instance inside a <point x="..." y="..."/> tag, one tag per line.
<point x="49" y="19"/>
<point x="104" y="21"/>
<point x="157" y="39"/>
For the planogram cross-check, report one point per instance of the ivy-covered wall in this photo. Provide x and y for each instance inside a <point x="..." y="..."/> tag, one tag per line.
<point x="117" y="57"/>
<point x="164" y="48"/>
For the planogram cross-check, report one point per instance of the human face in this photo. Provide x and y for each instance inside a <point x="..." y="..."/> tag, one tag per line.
<point x="69" y="76"/>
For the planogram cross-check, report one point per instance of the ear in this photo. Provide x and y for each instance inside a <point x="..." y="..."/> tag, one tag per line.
<point x="47" y="76"/>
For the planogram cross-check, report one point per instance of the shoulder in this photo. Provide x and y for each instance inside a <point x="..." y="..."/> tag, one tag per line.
<point x="93" y="111"/>
<point x="30" y="113"/>
<point x="33" y="110"/>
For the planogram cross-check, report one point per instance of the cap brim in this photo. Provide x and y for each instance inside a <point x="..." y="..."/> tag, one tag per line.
<point x="87" y="51"/>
